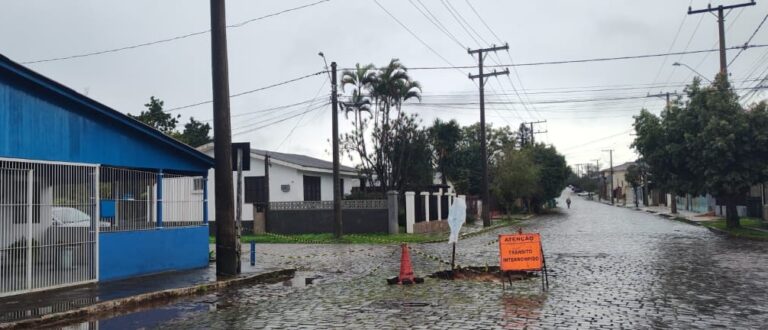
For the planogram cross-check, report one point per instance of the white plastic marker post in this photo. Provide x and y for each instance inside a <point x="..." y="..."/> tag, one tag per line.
<point x="457" y="214"/>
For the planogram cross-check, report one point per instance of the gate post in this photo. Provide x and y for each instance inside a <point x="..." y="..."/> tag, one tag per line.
<point x="426" y="205"/>
<point x="438" y="195"/>
<point x="97" y="222"/>
<point x="392" y="212"/>
<point x="160" y="199"/>
<point x="30" y="188"/>
<point x="410" y="211"/>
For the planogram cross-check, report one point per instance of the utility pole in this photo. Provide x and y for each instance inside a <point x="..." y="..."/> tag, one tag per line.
<point x="610" y="151"/>
<point x="597" y="169"/>
<point x="481" y="53"/>
<point x="267" y="165"/>
<point x="531" y="123"/>
<point x="227" y="244"/>
<point x="664" y="95"/>
<point x="337" y="222"/>
<point x="721" y="29"/>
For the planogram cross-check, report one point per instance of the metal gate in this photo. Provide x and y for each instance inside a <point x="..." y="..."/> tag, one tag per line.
<point x="48" y="225"/>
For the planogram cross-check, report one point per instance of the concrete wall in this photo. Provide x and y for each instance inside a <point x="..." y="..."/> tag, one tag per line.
<point x="356" y="221"/>
<point x="134" y="253"/>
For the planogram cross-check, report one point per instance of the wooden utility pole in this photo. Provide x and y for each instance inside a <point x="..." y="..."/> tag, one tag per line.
<point x="597" y="168"/>
<point x="481" y="53"/>
<point x="610" y="151"/>
<point x="664" y="95"/>
<point x="337" y="221"/>
<point x="227" y="245"/>
<point x="721" y="29"/>
<point x="267" y="164"/>
<point x="531" y="123"/>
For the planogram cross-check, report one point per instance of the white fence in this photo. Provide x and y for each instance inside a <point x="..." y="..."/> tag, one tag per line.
<point x="48" y="231"/>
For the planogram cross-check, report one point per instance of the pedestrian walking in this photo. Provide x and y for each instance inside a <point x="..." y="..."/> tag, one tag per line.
<point x="568" y="201"/>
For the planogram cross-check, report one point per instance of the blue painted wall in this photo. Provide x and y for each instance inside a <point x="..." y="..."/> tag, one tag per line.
<point x="43" y="120"/>
<point x="134" y="253"/>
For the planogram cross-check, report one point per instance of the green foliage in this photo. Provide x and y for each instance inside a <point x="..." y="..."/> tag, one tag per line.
<point x="467" y="159"/>
<point x="445" y="137"/>
<point x="381" y="141"/>
<point x="709" y="144"/>
<point x="156" y="118"/>
<point x="195" y="132"/>
<point x="536" y="173"/>
<point x="633" y="176"/>
<point x="516" y="176"/>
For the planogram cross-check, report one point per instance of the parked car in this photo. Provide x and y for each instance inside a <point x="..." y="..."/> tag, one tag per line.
<point x="72" y="217"/>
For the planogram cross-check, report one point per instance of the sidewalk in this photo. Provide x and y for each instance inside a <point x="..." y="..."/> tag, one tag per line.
<point x="51" y="305"/>
<point x="683" y="215"/>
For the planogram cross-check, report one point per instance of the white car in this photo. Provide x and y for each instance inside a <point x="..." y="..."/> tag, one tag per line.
<point x="72" y="217"/>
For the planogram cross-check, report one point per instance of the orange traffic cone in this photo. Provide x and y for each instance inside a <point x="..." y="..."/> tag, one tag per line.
<point x="406" y="271"/>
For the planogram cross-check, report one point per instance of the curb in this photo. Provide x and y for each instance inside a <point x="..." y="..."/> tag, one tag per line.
<point x="725" y="233"/>
<point x="145" y="299"/>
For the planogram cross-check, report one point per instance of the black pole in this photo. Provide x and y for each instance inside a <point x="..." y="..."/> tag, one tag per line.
<point x="337" y="221"/>
<point x="227" y="245"/>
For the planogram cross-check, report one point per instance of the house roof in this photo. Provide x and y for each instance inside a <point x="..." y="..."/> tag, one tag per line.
<point x="22" y="77"/>
<point x="295" y="159"/>
<point x="618" y="168"/>
<point x="302" y="160"/>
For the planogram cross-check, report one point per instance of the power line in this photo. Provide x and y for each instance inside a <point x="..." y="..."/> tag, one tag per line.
<point x="587" y="60"/>
<point x="184" y="36"/>
<point x="250" y="91"/>
<point x="266" y="110"/>
<point x="281" y="120"/>
<point x="749" y="40"/>
<point x="319" y="90"/>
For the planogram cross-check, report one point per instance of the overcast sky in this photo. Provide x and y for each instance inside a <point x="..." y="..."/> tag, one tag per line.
<point x="285" y="46"/>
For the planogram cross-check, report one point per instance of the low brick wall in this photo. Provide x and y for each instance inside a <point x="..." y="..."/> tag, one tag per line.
<point x="431" y="227"/>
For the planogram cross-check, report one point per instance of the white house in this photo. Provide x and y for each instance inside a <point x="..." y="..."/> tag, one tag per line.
<point x="292" y="177"/>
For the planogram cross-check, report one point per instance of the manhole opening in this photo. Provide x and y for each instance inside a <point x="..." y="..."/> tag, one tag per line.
<point x="415" y="304"/>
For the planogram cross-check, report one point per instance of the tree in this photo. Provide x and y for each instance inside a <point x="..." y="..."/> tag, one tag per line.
<point x="467" y="159"/>
<point x="156" y="118"/>
<point x="385" y="91"/>
<point x="445" y="137"/>
<point x="553" y="173"/>
<point x="195" y="133"/>
<point x="516" y="177"/>
<point x="634" y="178"/>
<point x="709" y="144"/>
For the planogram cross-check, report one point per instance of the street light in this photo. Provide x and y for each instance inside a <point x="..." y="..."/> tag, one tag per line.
<point x="694" y="71"/>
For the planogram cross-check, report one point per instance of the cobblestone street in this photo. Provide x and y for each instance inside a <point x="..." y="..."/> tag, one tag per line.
<point x="610" y="268"/>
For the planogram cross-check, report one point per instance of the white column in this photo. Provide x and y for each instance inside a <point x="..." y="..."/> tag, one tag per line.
<point x="426" y="205"/>
<point x="439" y="205"/>
<point x="410" y="211"/>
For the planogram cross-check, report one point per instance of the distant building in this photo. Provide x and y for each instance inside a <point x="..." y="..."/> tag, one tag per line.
<point x="623" y="190"/>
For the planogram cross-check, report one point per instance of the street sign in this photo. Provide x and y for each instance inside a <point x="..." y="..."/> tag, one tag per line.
<point x="245" y="147"/>
<point x="520" y="252"/>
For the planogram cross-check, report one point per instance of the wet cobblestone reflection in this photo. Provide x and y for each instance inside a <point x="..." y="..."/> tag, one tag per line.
<point x="611" y="268"/>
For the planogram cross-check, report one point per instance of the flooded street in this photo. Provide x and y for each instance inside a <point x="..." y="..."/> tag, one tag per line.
<point x="610" y="267"/>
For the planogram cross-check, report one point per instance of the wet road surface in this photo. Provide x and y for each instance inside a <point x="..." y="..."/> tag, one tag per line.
<point x="611" y="267"/>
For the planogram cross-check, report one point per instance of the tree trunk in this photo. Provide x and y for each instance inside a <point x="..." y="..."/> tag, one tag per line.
<point x="672" y="203"/>
<point x="731" y="213"/>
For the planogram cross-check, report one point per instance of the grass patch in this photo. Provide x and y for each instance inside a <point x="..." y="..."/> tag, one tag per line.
<point x="744" y="230"/>
<point x="346" y="239"/>
<point x="377" y="238"/>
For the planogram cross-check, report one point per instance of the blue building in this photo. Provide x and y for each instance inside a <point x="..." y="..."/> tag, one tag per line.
<point x="88" y="194"/>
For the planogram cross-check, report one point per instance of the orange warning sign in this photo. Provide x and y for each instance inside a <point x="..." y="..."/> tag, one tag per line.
<point x="520" y="252"/>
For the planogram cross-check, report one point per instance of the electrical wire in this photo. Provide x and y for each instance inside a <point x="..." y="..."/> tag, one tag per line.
<point x="749" y="40"/>
<point x="250" y="91"/>
<point x="160" y="41"/>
